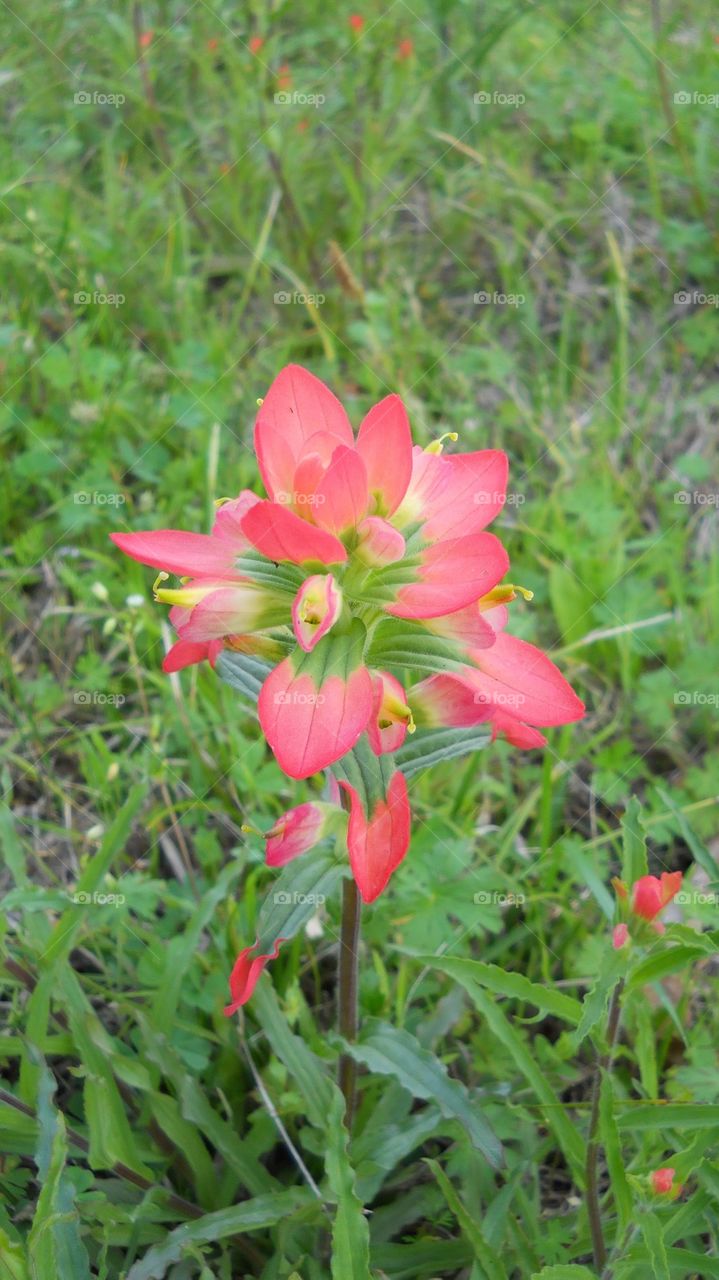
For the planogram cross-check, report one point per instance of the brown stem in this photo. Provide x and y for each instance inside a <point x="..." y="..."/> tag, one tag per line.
<point x="593" y="1145"/>
<point x="348" y="965"/>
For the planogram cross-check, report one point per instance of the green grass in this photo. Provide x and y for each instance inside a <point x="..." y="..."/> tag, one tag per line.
<point x="390" y="204"/>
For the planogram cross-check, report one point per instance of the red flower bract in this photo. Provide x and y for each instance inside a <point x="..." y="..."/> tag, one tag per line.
<point x="358" y="538"/>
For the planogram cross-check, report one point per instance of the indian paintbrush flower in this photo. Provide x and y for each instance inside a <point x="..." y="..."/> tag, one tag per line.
<point x="648" y="897"/>
<point x="367" y="553"/>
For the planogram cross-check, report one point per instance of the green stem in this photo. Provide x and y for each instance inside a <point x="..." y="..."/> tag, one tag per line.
<point x="348" y="966"/>
<point x="604" y="1063"/>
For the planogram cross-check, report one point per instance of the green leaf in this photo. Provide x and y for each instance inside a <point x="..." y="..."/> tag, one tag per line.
<point x="661" y="963"/>
<point x="112" y="1139"/>
<point x="609" y="1135"/>
<point x="304" y="1066"/>
<point x="612" y="968"/>
<point x="300" y="888"/>
<point x="428" y="747"/>
<point x="654" y="1240"/>
<point x="185" y="1137"/>
<point x="564" y="1271"/>
<point x="634" y="843"/>
<point x="390" y="1051"/>
<point x="699" y="851"/>
<point x="350" y="1230"/>
<point x="251" y="1215"/>
<point x="490" y="1261"/>
<point x="555" y="1115"/>
<point x="670" y="1115"/>
<point x="113" y="843"/>
<point x="13" y="1258"/>
<point x="399" y="643"/>
<point x="54" y="1244"/>
<point x="501" y="982"/>
<point x="243" y="672"/>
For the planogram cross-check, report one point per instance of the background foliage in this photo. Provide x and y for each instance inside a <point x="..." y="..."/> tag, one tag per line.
<point x="142" y="1133"/>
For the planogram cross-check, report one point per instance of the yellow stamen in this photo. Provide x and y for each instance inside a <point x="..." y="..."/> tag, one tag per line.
<point x="221" y="502"/>
<point x="437" y="446"/>
<point x="161" y="577"/>
<point x="503" y="594"/>
<point x="181" y="595"/>
<point x="260" y="402"/>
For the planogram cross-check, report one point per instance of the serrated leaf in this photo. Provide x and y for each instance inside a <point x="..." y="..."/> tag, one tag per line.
<point x="514" y="985"/>
<point x="391" y="1051"/>
<point x="251" y="1215"/>
<point x="350" y="1229"/>
<point x="612" y="968"/>
<point x="428" y="747"/>
<point x="654" y="1240"/>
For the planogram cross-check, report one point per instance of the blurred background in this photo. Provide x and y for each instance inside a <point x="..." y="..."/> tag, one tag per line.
<point x="507" y="214"/>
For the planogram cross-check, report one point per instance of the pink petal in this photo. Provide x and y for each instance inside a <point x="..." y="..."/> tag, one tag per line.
<point x="472" y="494"/>
<point x="468" y="627"/>
<point x="378" y="842"/>
<point x="310" y="727"/>
<point x="279" y="534"/>
<point x="391" y="716"/>
<point x="451" y="575"/>
<point x="384" y="443"/>
<point x="294" y="833"/>
<point x="225" y="612"/>
<point x="518" y="734"/>
<point x="341" y="497"/>
<point x="450" y="699"/>
<point x="517" y="677"/>
<point x="320" y="598"/>
<point x="296" y="407"/>
<point x="245" y="975"/>
<point x="184" y="653"/>
<point x="194" y="555"/>
<point x="380" y="543"/>
<point x="228" y="521"/>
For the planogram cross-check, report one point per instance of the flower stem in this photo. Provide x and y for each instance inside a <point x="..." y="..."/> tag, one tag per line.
<point x="593" y="1146"/>
<point x="348" y="962"/>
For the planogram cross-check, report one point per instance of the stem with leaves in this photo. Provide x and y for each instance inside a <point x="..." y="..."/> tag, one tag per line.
<point x="348" y="982"/>
<point x="604" y="1063"/>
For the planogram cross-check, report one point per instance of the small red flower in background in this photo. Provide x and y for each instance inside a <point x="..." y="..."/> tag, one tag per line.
<point x="212" y="44"/>
<point x="650" y="895"/>
<point x="405" y="50"/>
<point x="356" y="22"/>
<point x="662" y="1181"/>
<point x="255" y="43"/>
<point x="146" y="38"/>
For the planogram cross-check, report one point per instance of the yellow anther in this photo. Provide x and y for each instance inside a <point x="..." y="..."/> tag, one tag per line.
<point x="503" y="594"/>
<point x="437" y="446"/>
<point x="221" y="502"/>
<point x="260" y="402"/>
<point x="161" y="577"/>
